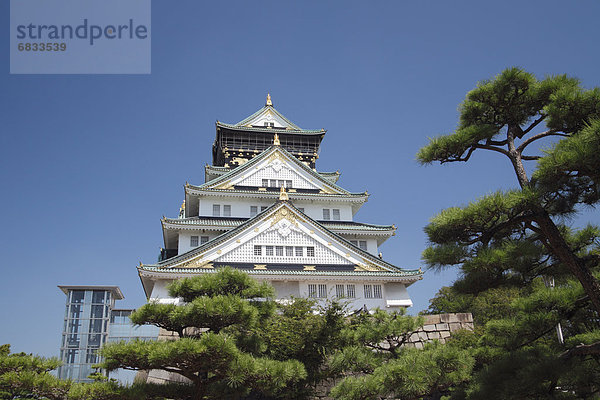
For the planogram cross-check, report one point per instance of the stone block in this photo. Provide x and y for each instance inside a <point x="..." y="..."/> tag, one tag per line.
<point x="465" y="317"/>
<point x="433" y="335"/>
<point x="455" y="326"/>
<point x="431" y="319"/>
<point x="445" y="334"/>
<point x="414" y="337"/>
<point x="419" y="345"/>
<point x="442" y="327"/>
<point x="423" y="336"/>
<point x="448" y="318"/>
<point x="429" y="328"/>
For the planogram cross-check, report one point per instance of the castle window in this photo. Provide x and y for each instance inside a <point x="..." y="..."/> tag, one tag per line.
<point x="310" y="252"/>
<point x="253" y="211"/>
<point x="301" y="209"/>
<point x="312" y="290"/>
<point x="279" y="251"/>
<point x="269" y="250"/>
<point x="263" y="208"/>
<point x="265" y="182"/>
<point x="350" y="291"/>
<point x="323" y="291"/>
<point x="368" y="291"/>
<point x="299" y="251"/>
<point x="216" y="210"/>
<point x="326" y="215"/>
<point x="258" y="250"/>
<point x="194" y="241"/>
<point x="203" y="239"/>
<point x="288" y="184"/>
<point x="227" y="210"/>
<point x="336" y="214"/>
<point x="289" y="251"/>
<point x="361" y="244"/>
<point x="377" y="294"/>
<point x="339" y="291"/>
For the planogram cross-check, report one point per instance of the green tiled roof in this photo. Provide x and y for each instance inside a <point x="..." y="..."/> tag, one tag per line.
<point x="233" y="222"/>
<point x="274" y="194"/>
<point x="271" y="130"/>
<point x="402" y="273"/>
<point x="274" y="111"/>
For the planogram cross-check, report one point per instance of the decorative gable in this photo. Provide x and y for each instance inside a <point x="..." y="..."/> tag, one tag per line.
<point x="276" y="167"/>
<point x="282" y="235"/>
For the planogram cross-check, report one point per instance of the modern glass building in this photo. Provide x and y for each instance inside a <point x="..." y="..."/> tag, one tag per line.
<point x="91" y="321"/>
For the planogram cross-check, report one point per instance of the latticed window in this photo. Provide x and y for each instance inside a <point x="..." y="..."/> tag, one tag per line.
<point x="279" y="251"/>
<point x="193" y="241"/>
<point x="368" y="291"/>
<point x="310" y="252"/>
<point x="312" y="290"/>
<point x="289" y="251"/>
<point x="216" y="210"/>
<point x="269" y="250"/>
<point x="288" y="183"/>
<point x="203" y="239"/>
<point x="326" y="214"/>
<point x="265" y="182"/>
<point x="350" y="291"/>
<point x="322" y="291"/>
<point x="263" y="208"/>
<point x="253" y="211"/>
<point x="258" y="250"/>
<point x="299" y="251"/>
<point x="336" y="214"/>
<point x="377" y="292"/>
<point x="339" y="291"/>
<point x="227" y="210"/>
<point x="361" y="244"/>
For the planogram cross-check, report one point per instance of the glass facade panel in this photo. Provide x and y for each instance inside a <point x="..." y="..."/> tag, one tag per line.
<point x="98" y="296"/>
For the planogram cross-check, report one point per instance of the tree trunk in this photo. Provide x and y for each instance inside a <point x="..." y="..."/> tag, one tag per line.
<point x="561" y="250"/>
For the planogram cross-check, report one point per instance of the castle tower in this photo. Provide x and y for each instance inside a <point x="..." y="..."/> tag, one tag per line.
<point x="266" y="210"/>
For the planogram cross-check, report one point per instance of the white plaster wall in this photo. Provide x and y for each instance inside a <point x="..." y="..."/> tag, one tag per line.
<point x="241" y="207"/>
<point x="184" y="239"/>
<point x="159" y="291"/>
<point x="286" y="289"/>
<point x="355" y="303"/>
<point x="395" y="291"/>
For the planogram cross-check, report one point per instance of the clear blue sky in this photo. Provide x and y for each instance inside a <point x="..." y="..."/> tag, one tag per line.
<point x="90" y="163"/>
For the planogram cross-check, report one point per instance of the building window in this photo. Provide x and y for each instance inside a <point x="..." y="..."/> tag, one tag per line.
<point x="288" y="184"/>
<point x="203" y="239"/>
<point x="339" y="291"/>
<point x="289" y="251"/>
<point x="253" y="211"/>
<point x="258" y="250"/>
<point x="310" y="252"/>
<point x="263" y="208"/>
<point x="270" y="124"/>
<point x="299" y="251"/>
<point x="301" y="209"/>
<point x="326" y="214"/>
<point x="312" y="290"/>
<point x="350" y="291"/>
<point x="368" y="291"/>
<point x="216" y="210"/>
<point x="361" y="244"/>
<point x="227" y="210"/>
<point x="336" y="214"/>
<point x="377" y="294"/>
<point x="265" y="182"/>
<point x="269" y="250"/>
<point x="194" y="241"/>
<point x="273" y="183"/>
<point x="279" y="251"/>
<point x="323" y="291"/>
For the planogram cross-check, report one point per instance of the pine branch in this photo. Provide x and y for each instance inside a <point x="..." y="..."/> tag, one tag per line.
<point x="533" y="138"/>
<point x="533" y="125"/>
<point x="582" y="350"/>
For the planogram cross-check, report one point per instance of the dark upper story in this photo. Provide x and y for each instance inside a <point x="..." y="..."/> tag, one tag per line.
<point x="236" y="143"/>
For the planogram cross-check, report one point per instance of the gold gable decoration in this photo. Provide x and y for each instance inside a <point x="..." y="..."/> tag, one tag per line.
<point x="284" y="213"/>
<point x="197" y="263"/>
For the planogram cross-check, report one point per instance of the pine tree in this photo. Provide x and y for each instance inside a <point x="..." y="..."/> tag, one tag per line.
<point x="219" y="349"/>
<point x="511" y="246"/>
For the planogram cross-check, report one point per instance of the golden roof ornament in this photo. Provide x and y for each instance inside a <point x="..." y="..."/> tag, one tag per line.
<point x="269" y="102"/>
<point x="276" y="140"/>
<point x="283" y="194"/>
<point x="182" y="205"/>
